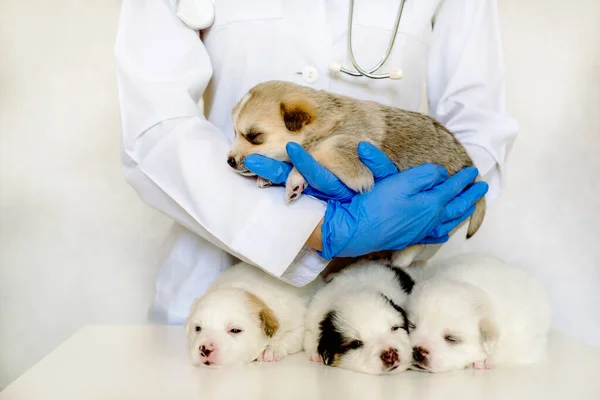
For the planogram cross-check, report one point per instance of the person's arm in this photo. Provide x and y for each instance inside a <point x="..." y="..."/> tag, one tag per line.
<point x="315" y="240"/>
<point x="466" y="84"/>
<point x="176" y="160"/>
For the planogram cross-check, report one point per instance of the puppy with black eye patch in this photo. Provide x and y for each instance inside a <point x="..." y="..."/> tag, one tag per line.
<point x="476" y="311"/>
<point x="357" y="320"/>
<point x="247" y="315"/>
<point x="330" y="127"/>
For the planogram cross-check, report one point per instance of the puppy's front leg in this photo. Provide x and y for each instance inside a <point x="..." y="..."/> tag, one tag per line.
<point x="340" y="156"/>
<point x="311" y="345"/>
<point x="284" y="345"/>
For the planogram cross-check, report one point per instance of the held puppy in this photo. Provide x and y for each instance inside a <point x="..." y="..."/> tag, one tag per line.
<point x="475" y="311"/>
<point x="357" y="322"/>
<point x="330" y="127"/>
<point x="247" y="315"/>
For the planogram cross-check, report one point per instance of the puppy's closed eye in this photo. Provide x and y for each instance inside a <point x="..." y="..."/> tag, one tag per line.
<point x="353" y="345"/>
<point x="254" y="137"/>
<point x="452" y="339"/>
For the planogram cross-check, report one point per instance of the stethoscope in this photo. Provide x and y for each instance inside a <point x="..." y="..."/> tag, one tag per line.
<point x="200" y="14"/>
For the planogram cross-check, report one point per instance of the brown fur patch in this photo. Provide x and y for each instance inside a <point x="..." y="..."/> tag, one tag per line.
<point x="268" y="321"/>
<point x="297" y="112"/>
<point x="489" y="333"/>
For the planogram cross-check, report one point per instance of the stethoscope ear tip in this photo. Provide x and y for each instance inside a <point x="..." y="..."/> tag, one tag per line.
<point x="396" y="74"/>
<point x="334" y="66"/>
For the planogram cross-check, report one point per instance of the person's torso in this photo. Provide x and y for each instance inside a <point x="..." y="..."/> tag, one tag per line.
<point x="255" y="41"/>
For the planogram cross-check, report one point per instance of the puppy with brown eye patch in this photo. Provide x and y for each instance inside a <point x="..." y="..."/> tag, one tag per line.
<point x="357" y="321"/>
<point x="247" y="315"/>
<point x="476" y="311"/>
<point x="330" y="127"/>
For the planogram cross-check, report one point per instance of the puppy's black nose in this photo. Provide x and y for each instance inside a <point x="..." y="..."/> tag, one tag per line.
<point x="389" y="356"/>
<point x="231" y="161"/>
<point x="205" y="351"/>
<point x="420" y="354"/>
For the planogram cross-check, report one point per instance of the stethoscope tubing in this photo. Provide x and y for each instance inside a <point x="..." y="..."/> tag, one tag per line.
<point x="370" y="73"/>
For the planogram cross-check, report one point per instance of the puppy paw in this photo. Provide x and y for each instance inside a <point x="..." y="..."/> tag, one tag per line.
<point x="485" y="364"/>
<point x="315" y="357"/>
<point x="272" y="354"/>
<point x="263" y="183"/>
<point x="404" y="258"/>
<point x="294" y="186"/>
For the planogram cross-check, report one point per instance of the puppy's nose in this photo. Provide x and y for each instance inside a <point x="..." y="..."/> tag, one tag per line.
<point x="231" y="161"/>
<point x="389" y="356"/>
<point x="420" y="354"/>
<point x="205" y="351"/>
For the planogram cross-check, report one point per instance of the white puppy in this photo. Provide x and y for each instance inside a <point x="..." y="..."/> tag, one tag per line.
<point x="357" y="321"/>
<point x="247" y="315"/>
<point x="477" y="311"/>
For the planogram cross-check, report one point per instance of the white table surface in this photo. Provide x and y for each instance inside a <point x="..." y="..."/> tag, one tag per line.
<point x="150" y="362"/>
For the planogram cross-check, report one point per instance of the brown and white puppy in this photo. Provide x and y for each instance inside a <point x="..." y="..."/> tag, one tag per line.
<point x="330" y="127"/>
<point x="247" y="315"/>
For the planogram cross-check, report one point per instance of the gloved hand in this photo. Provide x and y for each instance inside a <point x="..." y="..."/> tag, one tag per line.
<point x="322" y="184"/>
<point x="424" y="207"/>
<point x="418" y="206"/>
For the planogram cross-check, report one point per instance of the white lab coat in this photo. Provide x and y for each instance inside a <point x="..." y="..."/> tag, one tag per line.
<point x="174" y="153"/>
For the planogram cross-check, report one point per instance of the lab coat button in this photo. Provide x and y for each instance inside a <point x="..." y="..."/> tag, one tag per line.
<point x="310" y="74"/>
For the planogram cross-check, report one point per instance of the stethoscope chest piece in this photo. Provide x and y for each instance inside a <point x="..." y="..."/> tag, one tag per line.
<point x="196" y="14"/>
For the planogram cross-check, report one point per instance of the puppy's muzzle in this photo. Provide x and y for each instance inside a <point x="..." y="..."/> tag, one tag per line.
<point x="238" y="166"/>
<point x="205" y="351"/>
<point x="421" y="356"/>
<point x="390" y="358"/>
<point x="232" y="163"/>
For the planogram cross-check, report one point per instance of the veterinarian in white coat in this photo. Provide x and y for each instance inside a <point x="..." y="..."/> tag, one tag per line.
<point x="174" y="153"/>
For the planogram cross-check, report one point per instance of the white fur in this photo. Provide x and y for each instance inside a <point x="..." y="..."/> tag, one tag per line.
<point x="226" y="306"/>
<point x="466" y="295"/>
<point x="354" y="294"/>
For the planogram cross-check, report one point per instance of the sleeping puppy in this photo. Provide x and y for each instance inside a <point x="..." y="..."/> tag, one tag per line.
<point x="357" y="322"/>
<point x="475" y="311"/>
<point x="247" y="315"/>
<point x="330" y="127"/>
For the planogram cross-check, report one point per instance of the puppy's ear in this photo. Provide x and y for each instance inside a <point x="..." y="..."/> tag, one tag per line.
<point x="330" y="339"/>
<point x="401" y="311"/>
<point x="297" y="112"/>
<point x="488" y="333"/>
<point x="268" y="321"/>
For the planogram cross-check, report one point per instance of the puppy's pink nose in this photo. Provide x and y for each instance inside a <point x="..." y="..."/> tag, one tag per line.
<point x="389" y="356"/>
<point x="206" y="350"/>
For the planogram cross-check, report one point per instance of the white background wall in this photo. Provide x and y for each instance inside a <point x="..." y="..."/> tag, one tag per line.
<point x="78" y="247"/>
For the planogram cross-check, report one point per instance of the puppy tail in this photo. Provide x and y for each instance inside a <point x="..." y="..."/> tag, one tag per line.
<point x="477" y="217"/>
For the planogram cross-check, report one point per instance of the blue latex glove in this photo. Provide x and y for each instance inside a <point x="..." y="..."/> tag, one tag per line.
<point x="440" y="210"/>
<point x="322" y="184"/>
<point x="417" y="206"/>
